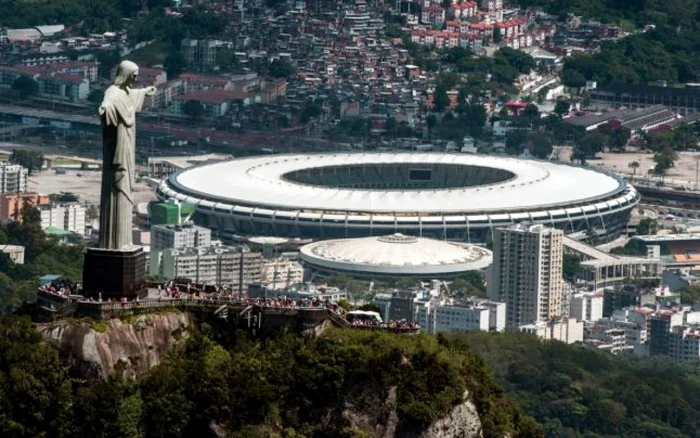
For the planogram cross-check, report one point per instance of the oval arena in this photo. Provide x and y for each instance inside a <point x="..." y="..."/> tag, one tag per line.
<point x="440" y="195"/>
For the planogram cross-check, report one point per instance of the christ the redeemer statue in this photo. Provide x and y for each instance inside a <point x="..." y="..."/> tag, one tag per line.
<point x="118" y="115"/>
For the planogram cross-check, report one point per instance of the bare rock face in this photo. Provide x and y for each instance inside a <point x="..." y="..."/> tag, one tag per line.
<point x="97" y="350"/>
<point x="463" y="422"/>
<point x="382" y="421"/>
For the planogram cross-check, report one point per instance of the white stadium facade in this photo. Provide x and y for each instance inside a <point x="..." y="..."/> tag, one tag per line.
<point x="460" y="197"/>
<point x="392" y="257"/>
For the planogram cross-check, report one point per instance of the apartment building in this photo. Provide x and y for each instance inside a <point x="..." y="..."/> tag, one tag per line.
<point x="68" y="217"/>
<point x="231" y="267"/>
<point x="11" y="204"/>
<point x="527" y="273"/>
<point x="13" y="178"/>
<point x="179" y="236"/>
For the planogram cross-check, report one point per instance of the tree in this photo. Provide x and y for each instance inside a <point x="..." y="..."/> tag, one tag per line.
<point x="174" y="64"/>
<point x="193" y="108"/>
<point x="561" y="107"/>
<point x="515" y="141"/>
<point x="618" y="138"/>
<point x="226" y="59"/>
<point x="32" y="160"/>
<point x="664" y="159"/>
<point x="531" y="111"/>
<point x="25" y="86"/>
<point x="647" y="226"/>
<point x="280" y="68"/>
<point x="572" y="78"/>
<point x="634" y="165"/>
<point x="431" y="121"/>
<point x="590" y="145"/>
<point x="541" y="145"/>
<point x="92" y="213"/>
<point x="570" y="266"/>
<point x="440" y="99"/>
<point x="497" y="36"/>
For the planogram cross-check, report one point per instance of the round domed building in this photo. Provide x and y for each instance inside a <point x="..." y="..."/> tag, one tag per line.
<point x="392" y="257"/>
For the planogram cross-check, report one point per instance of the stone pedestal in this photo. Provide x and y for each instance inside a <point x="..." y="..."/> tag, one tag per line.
<point x="114" y="273"/>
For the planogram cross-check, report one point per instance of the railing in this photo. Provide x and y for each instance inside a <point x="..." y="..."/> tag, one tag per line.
<point x="69" y="306"/>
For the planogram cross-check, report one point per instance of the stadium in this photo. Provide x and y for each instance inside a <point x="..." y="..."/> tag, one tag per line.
<point x="460" y="197"/>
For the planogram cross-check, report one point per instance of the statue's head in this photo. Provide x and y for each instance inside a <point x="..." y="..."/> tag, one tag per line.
<point x="127" y="72"/>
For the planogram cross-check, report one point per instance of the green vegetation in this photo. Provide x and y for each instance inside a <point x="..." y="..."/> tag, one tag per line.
<point x="25" y="86"/>
<point x="625" y="12"/>
<point x="648" y="226"/>
<point x="690" y="294"/>
<point x="32" y="160"/>
<point x="570" y="266"/>
<point x="633" y="247"/>
<point x="286" y="386"/>
<point x="469" y="284"/>
<point x="574" y="391"/>
<point x="43" y="255"/>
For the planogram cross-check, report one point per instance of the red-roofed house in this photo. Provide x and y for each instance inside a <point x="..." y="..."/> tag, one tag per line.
<point x="463" y="10"/>
<point x="64" y="86"/>
<point x="152" y="76"/>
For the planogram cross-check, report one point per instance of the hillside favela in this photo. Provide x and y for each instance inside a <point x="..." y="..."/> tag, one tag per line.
<point x="349" y="218"/>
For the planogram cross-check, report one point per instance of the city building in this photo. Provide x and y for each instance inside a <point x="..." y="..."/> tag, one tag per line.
<point x="527" y="273"/>
<point x="67" y="217"/>
<point x="684" y="343"/>
<point x="280" y="273"/>
<point x="398" y="305"/>
<point x="629" y="295"/>
<point x="13" y="178"/>
<point x="11" y="204"/>
<point x="232" y="268"/>
<point x="200" y="53"/>
<point x="660" y="327"/>
<point x="300" y="291"/>
<point x="14" y="252"/>
<point x="567" y="330"/>
<point x="439" y="315"/>
<point x="179" y="236"/>
<point x="683" y="101"/>
<point x="392" y="257"/>
<point x="586" y="306"/>
<point x="170" y="213"/>
<point x="453" y="196"/>
<point x="599" y="270"/>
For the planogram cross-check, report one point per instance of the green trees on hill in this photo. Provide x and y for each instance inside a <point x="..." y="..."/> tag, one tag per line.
<point x="286" y="386"/>
<point x="575" y="391"/>
<point x="43" y="255"/>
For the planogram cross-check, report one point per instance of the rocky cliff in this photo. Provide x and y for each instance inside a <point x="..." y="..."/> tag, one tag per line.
<point x="95" y="350"/>
<point x="382" y="421"/>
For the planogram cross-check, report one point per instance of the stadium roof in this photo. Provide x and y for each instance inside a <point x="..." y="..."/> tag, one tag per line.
<point x="260" y="182"/>
<point x="395" y="254"/>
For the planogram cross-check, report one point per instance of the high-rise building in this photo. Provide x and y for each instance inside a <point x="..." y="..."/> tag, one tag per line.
<point x="527" y="273"/>
<point x="179" y="236"/>
<point x="13" y="178"/>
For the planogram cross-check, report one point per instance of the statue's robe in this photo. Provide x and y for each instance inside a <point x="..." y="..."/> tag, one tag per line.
<point x="118" y="115"/>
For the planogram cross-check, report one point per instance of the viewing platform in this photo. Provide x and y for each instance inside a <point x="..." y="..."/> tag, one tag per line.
<point x="256" y="315"/>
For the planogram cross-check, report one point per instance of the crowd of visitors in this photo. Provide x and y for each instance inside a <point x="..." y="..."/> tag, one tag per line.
<point x="62" y="288"/>
<point x="172" y="291"/>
